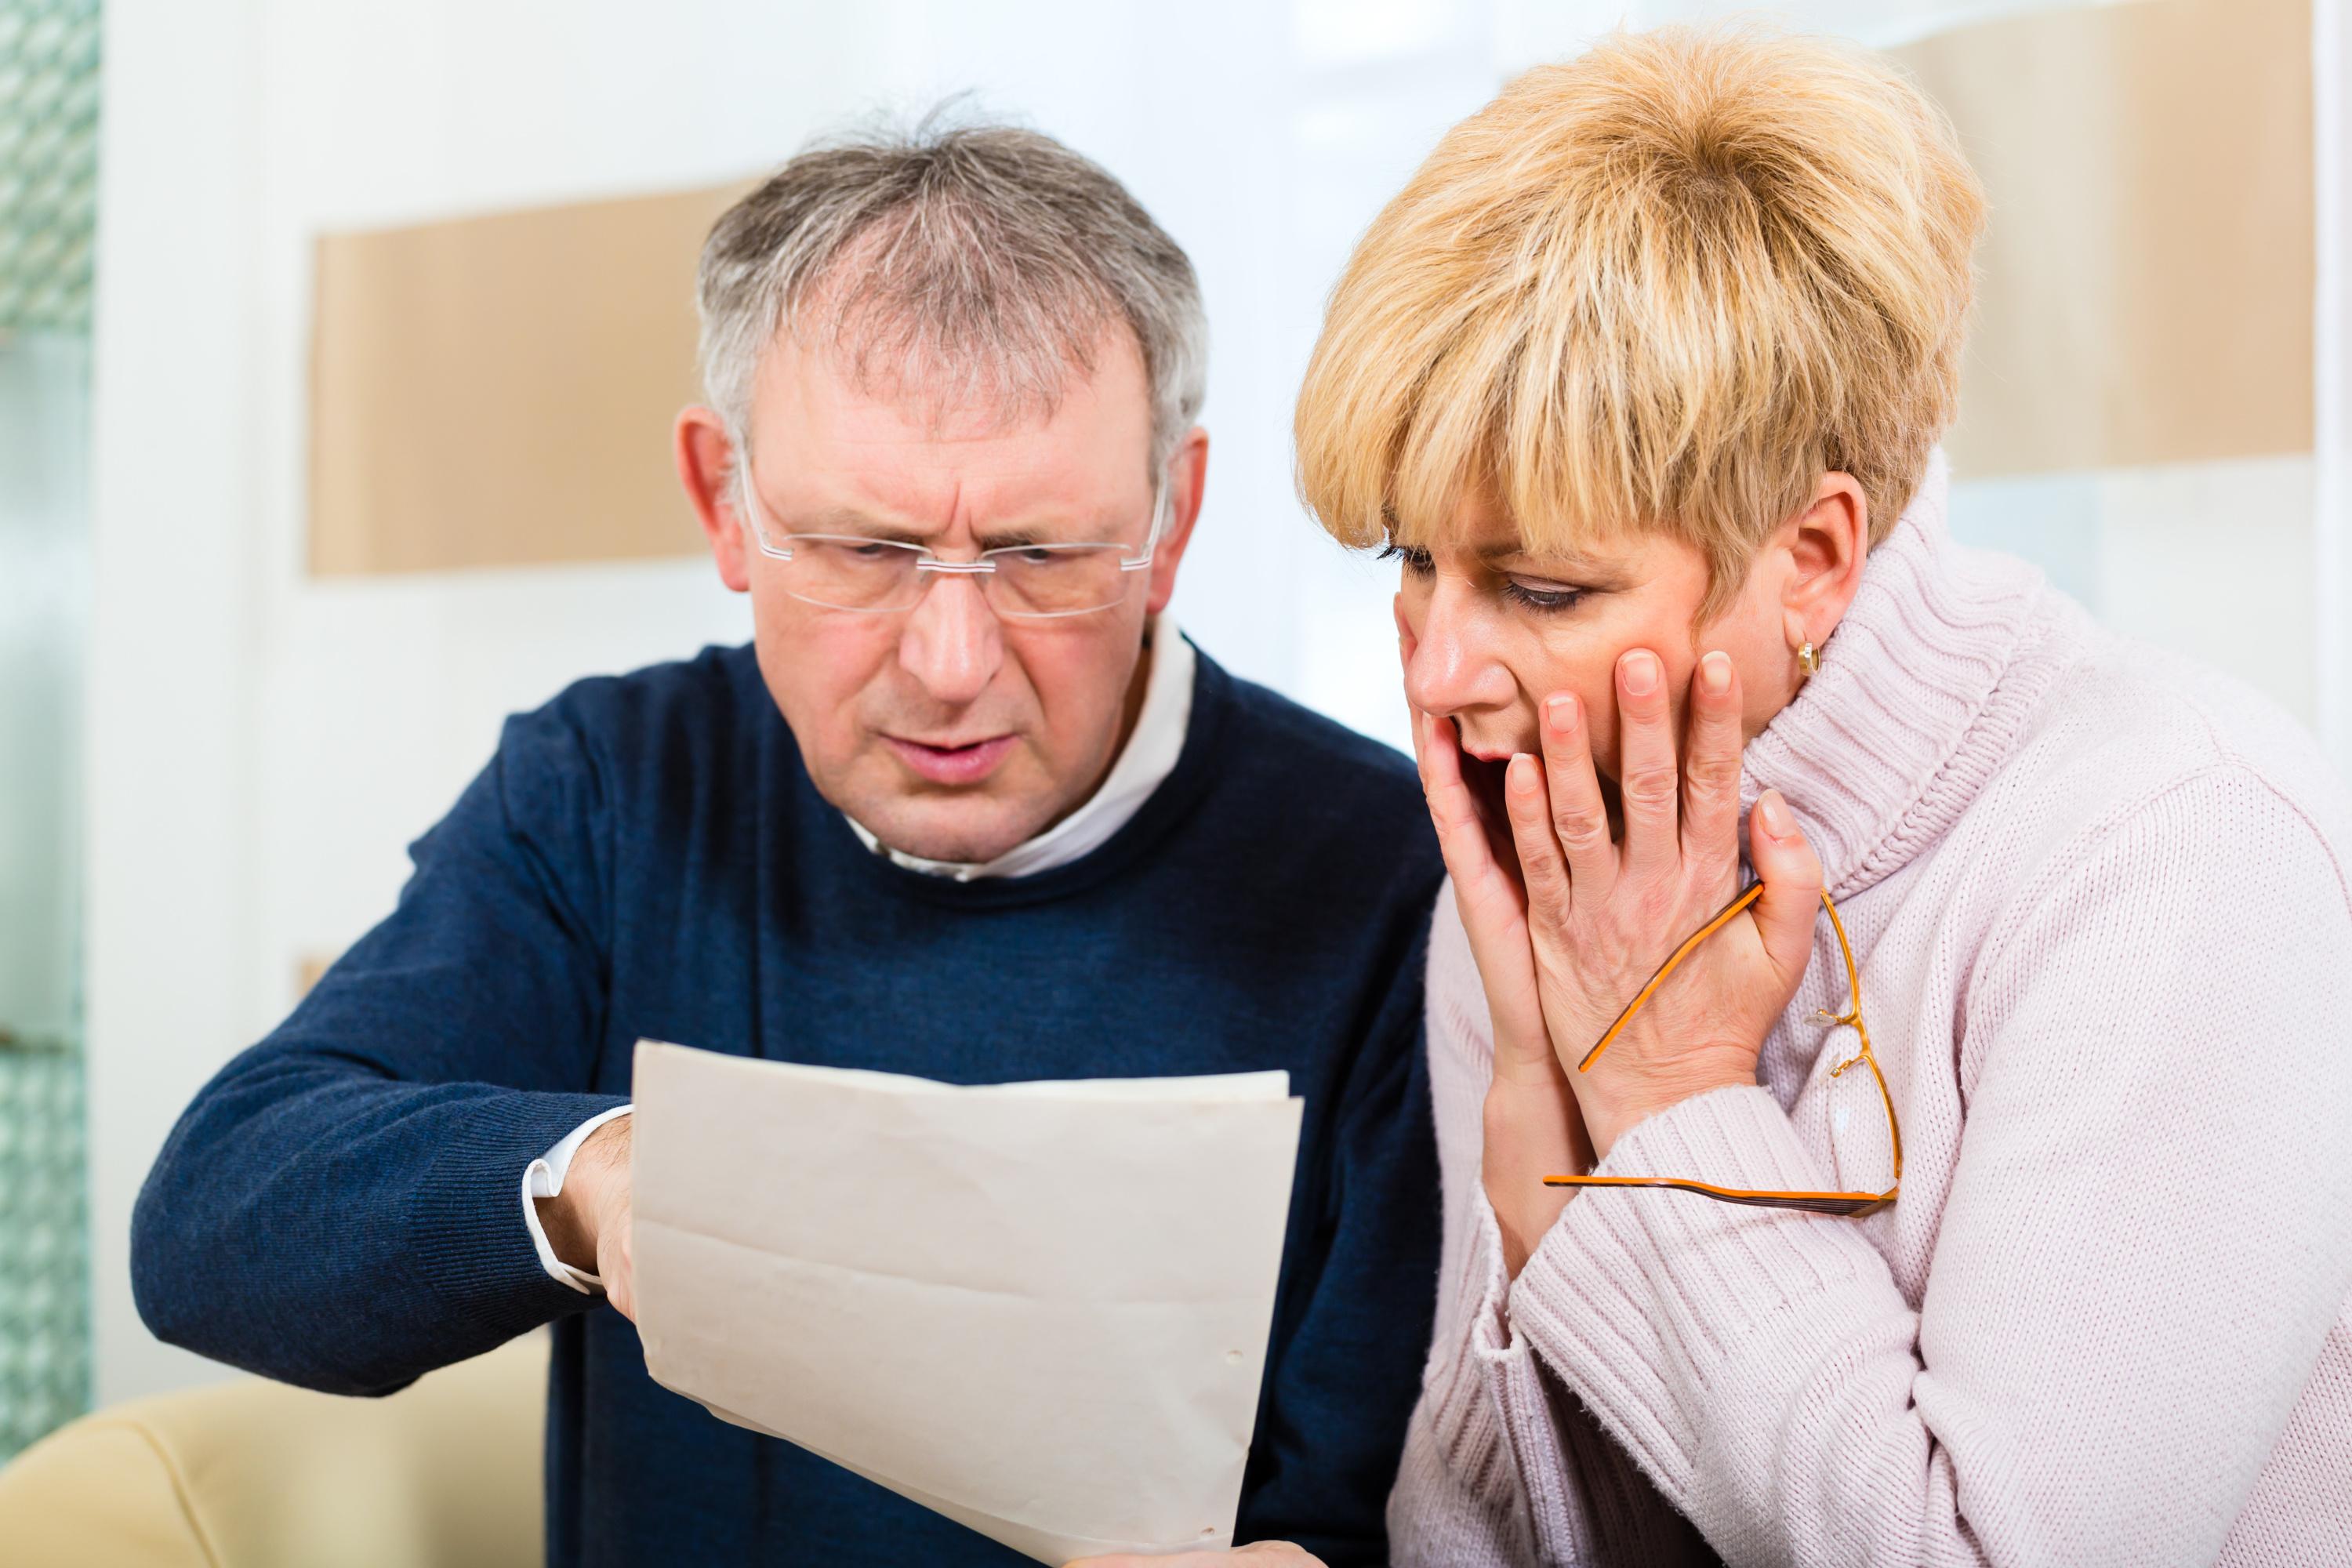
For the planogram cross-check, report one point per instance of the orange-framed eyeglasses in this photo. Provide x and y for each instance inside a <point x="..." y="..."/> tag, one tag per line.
<point x="1830" y="1203"/>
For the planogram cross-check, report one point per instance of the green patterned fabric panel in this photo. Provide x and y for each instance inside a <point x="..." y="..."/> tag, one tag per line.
<point x="49" y="161"/>
<point x="48" y="213"/>
<point x="44" y="1246"/>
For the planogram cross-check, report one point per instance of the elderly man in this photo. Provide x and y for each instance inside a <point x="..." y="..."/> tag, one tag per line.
<point x="969" y="806"/>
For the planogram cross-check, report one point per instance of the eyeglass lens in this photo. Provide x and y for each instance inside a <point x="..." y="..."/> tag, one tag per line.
<point x="852" y="573"/>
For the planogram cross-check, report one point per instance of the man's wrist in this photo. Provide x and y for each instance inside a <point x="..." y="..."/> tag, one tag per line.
<point x="572" y="1218"/>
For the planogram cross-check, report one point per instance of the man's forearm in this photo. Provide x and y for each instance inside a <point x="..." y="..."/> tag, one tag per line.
<point x="326" y="1225"/>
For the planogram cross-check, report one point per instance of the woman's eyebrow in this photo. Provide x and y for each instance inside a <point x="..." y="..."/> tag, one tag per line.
<point x="1590" y="569"/>
<point x="1511" y="549"/>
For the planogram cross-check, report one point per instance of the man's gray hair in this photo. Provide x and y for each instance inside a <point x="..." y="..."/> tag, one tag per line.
<point x="980" y="261"/>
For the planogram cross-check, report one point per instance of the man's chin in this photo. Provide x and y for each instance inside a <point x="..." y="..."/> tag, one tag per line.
<point x="963" y="832"/>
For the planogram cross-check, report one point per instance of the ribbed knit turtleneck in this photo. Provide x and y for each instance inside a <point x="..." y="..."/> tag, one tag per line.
<point x="1942" y="658"/>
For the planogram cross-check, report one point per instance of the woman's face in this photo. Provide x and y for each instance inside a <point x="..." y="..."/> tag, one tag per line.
<point x="1489" y="631"/>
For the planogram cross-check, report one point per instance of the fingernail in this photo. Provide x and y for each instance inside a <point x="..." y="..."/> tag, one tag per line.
<point x="1775" y="813"/>
<point x="1715" y="672"/>
<point x="1559" y="711"/>
<point x="1641" y="672"/>
<point x="1519" y="777"/>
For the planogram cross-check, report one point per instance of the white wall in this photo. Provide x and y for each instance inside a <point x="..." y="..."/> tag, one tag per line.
<point x="262" y="746"/>
<point x="169" y="892"/>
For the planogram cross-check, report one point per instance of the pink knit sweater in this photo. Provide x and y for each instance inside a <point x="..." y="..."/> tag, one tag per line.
<point x="2099" y="900"/>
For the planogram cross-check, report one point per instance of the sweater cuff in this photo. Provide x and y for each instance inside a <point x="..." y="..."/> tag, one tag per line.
<point x="468" y="1242"/>
<point x="1641" y="1300"/>
<point x="1485" y="1403"/>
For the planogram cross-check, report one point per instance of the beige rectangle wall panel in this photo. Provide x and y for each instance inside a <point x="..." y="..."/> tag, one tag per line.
<point x="2145" y="292"/>
<point x="498" y="391"/>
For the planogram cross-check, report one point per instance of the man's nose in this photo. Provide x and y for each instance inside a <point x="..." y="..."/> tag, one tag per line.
<point x="952" y="643"/>
<point x="1451" y="666"/>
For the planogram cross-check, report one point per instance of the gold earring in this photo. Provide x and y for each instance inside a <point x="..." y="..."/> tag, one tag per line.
<point x="1809" y="659"/>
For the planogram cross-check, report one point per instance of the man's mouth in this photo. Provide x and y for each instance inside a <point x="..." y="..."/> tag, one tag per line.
<point x="965" y="764"/>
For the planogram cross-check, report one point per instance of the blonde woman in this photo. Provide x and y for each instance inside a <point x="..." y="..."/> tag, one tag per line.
<point x="1640" y="378"/>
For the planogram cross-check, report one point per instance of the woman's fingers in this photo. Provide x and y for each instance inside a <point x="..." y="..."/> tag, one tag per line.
<point x="1491" y="899"/>
<point x="1580" y="816"/>
<point x="1492" y="902"/>
<point x="1710" y="804"/>
<point x="1792" y="874"/>
<point x="1460" y="828"/>
<point x="1541" y="865"/>
<point x="1646" y="775"/>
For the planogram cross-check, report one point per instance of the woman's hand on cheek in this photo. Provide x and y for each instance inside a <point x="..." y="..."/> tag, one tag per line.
<point x="1532" y="1126"/>
<point x="1476" y="843"/>
<point x="1602" y="916"/>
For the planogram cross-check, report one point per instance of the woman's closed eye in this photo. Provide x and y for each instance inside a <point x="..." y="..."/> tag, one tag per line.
<point x="1543" y="595"/>
<point x="1544" y="598"/>
<point x="1416" y="562"/>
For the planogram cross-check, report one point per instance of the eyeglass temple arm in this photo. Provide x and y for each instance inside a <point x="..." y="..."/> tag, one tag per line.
<point x="1861" y="1031"/>
<point x="1159" y="527"/>
<point x="1842" y="1204"/>
<point x="1748" y="895"/>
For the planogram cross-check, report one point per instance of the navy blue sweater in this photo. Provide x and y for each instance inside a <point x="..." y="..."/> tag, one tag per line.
<point x="646" y="858"/>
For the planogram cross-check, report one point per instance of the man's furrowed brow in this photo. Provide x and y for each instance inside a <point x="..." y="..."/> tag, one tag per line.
<point x="857" y="524"/>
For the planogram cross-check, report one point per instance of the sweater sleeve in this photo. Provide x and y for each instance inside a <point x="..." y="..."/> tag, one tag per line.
<point x="1502" y="1465"/>
<point x="1339" y="1371"/>
<point x="2141" y="1249"/>
<point x="338" y="1206"/>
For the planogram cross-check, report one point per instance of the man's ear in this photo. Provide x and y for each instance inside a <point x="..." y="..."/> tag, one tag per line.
<point x="705" y="455"/>
<point x="1188" y="473"/>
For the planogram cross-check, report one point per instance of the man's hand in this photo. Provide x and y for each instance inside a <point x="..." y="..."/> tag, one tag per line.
<point x="1257" y="1554"/>
<point x="587" y="1223"/>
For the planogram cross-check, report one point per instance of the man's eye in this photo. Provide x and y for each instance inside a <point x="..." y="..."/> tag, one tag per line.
<point x="844" y="549"/>
<point x="1416" y="562"/>
<point x="1543" y="601"/>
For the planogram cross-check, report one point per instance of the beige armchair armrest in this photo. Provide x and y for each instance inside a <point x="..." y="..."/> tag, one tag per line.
<point x="259" y="1475"/>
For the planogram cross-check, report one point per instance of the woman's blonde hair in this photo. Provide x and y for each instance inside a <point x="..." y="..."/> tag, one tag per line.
<point x="1665" y="286"/>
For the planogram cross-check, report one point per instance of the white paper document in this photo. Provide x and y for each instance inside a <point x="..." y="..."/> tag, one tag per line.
<point x="1039" y="1309"/>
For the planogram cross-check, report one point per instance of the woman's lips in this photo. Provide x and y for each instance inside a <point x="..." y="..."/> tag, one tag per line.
<point x="953" y="765"/>
<point x="1482" y="750"/>
<point x="1485" y="750"/>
